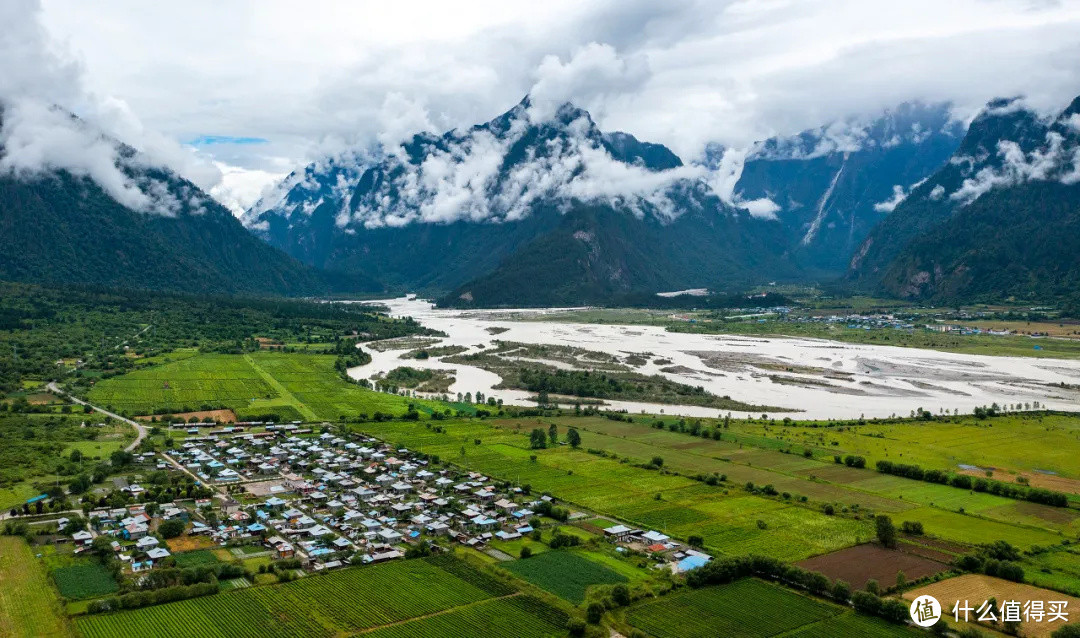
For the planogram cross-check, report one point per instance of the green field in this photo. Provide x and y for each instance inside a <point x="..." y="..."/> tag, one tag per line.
<point x="511" y="617"/>
<point x="750" y="453"/>
<point x="748" y="607"/>
<point x="563" y="573"/>
<point x="326" y="605"/>
<point x="850" y="623"/>
<point x="28" y="604"/>
<point x="84" y="580"/>
<point x="196" y="558"/>
<point x="727" y="521"/>
<point x="294" y="386"/>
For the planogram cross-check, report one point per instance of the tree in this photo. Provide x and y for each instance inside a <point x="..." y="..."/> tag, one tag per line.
<point x="526" y="551"/>
<point x="658" y="461"/>
<point x="841" y="591"/>
<point x="901" y="579"/>
<point x="695" y="540"/>
<point x="171" y="528"/>
<point x="553" y="434"/>
<point x="573" y="438"/>
<point x="886" y="531"/>
<point x="621" y="595"/>
<point x="537" y="439"/>
<point x="594" y="613"/>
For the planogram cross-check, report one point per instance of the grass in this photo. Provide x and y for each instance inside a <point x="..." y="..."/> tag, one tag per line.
<point x="294" y="386"/>
<point x="747" y="607"/>
<point x="564" y="573"/>
<point x="197" y="558"/>
<point x="336" y="603"/>
<point x="84" y="580"/>
<point x="28" y="605"/>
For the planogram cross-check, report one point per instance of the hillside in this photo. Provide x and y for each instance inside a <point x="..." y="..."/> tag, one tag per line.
<point x="833" y="184"/>
<point x="62" y="228"/>
<point x="1000" y="219"/>
<point x="524" y="209"/>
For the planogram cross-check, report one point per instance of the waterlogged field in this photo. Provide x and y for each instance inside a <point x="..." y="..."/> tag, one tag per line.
<point x="748" y="607"/>
<point x="725" y="516"/>
<point x="294" y="386"/>
<point x="564" y="573"/>
<point x="28" y="604"/>
<point x="327" y="605"/>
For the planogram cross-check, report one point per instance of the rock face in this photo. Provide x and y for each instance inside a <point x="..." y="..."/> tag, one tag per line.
<point x="830" y="186"/>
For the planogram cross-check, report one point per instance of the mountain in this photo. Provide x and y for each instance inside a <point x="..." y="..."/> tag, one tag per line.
<point x="830" y="186"/>
<point x="529" y="208"/>
<point x="59" y="227"/>
<point x="1000" y="219"/>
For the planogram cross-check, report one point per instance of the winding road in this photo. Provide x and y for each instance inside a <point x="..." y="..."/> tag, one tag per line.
<point x="140" y="428"/>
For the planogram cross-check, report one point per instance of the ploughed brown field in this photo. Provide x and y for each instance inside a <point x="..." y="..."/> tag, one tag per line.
<point x="858" y="565"/>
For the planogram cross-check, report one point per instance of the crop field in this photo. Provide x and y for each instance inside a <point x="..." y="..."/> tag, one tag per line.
<point x="510" y="617"/>
<point x="1014" y="442"/>
<point x="28" y="604"/>
<point x="325" y="605"/>
<point x="84" y="580"/>
<point x="940" y="508"/>
<point x="857" y="565"/>
<point x="728" y="522"/>
<point x="853" y="624"/>
<point x="197" y="558"/>
<point x="294" y="386"/>
<point x="563" y="573"/>
<point x="748" y="607"/>
<point x="977" y="588"/>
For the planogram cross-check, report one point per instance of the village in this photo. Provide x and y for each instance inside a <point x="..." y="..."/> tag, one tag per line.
<point x="326" y="500"/>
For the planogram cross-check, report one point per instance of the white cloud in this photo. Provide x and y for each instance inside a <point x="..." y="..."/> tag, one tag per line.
<point x="890" y="204"/>
<point x="40" y="87"/>
<point x="681" y="73"/>
<point x="1051" y="161"/>
<point x="240" y="188"/>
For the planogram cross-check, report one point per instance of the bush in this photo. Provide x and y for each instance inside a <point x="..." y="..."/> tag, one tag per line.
<point x="526" y="552"/>
<point x="915" y="528"/>
<point x="594" y="612"/>
<point x="171" y="528"/>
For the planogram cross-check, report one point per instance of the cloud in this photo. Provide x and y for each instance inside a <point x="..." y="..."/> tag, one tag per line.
<point x="1054" y="160"/>
<point x="594" y="72"/>
<point x="240" y="188"/>
<point x="682" y="73"/>
<point x="41" y="80"/>
<point x="890" y="204"/>
<point x="465" y="176"/>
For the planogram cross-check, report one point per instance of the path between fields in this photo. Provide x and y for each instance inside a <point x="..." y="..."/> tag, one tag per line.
<point x="141" y="429"/>
<point x="435" y="613"/>
<point x="305" y="411"/>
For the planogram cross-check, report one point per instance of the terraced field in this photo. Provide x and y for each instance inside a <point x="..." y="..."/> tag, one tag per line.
<point x="327" y="605"/>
